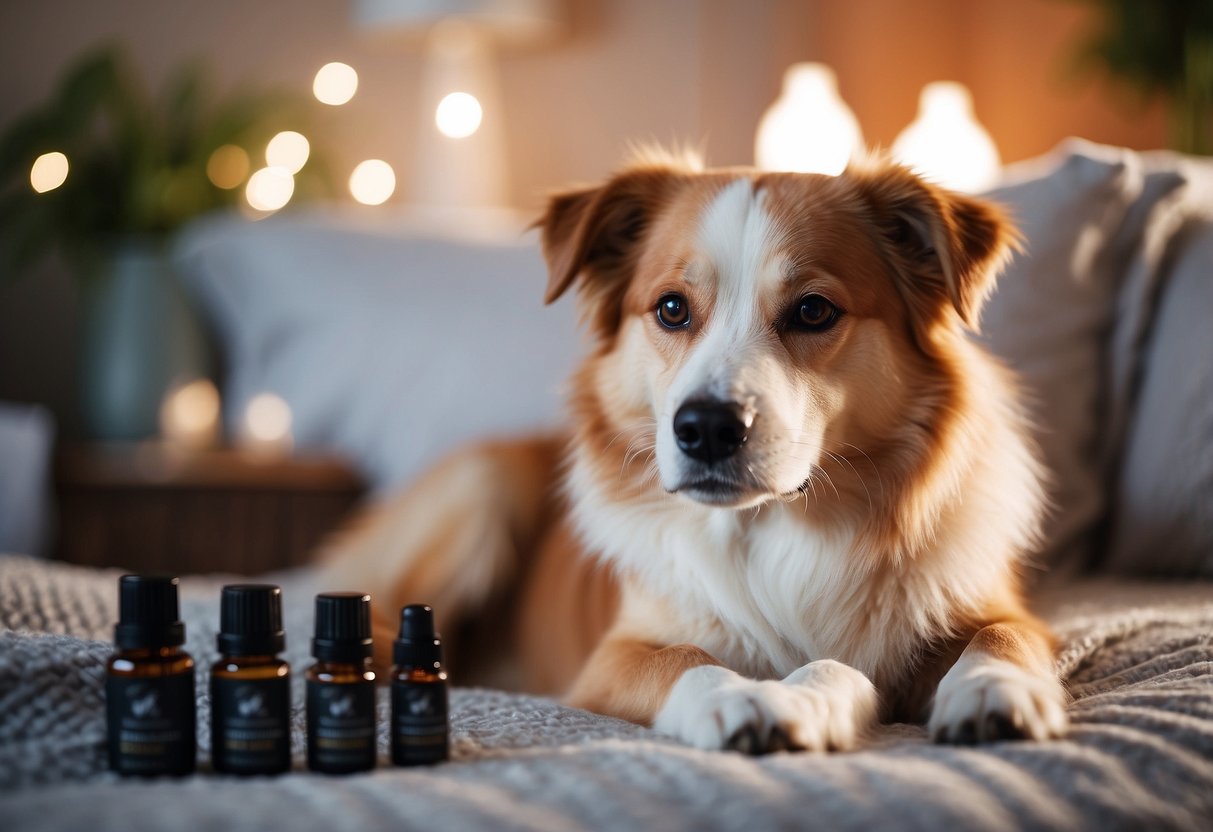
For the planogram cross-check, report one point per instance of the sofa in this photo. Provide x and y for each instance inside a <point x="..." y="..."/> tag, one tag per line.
<point x="379" y="338"/>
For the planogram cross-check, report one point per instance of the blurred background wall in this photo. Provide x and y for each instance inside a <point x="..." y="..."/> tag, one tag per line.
<point x="696" y="71"/>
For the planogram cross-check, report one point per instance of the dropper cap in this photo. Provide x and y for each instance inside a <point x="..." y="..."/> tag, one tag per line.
<point x="343" y="627"/>
<point x="250" y="620"/>
<point x="148" y="613"/>
<point x="417" y="645"/>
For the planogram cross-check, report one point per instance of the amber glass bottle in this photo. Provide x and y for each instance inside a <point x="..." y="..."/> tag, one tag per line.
<point x="420" y="725"/>
<point x="341" y="686"/>
<point x="250" y="684"/>
<point x="149" y="685"/>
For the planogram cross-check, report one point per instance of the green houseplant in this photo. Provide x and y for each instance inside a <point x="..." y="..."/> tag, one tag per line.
<point x="136" y="172"/>
<point x="1160" y="48"/>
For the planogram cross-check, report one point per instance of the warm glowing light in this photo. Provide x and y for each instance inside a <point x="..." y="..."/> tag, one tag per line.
<point x="267" y="423"/>
<point x="269" y="189"/>
<point x="189" y="415"/>
<point x="372" y="182"/>
<point x="808" y="129"/>
<point x="458" y="115"/>
<point x="268" y="418"/>
<point x="48" y="172"/>
<point x="335" y="83"/>
<point x="288" y="150"/>
<point x="227" y="167"/>
<point x="945" y="143"/>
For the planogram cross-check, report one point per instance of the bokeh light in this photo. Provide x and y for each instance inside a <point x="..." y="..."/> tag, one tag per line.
<point x="267" y="420"/>
<point x="48" y="172"/>
<point x="458" y="115"/>
<point x="227" y="167"/>
<point x="335" y="83"/>
<point x="189" y="414"/>
<point x="945" y="143"/>
<point x="809" y="128"/>
<point x="372" y="182"/>
<point x="270" y="188"/>
<point x="287" y="150"/>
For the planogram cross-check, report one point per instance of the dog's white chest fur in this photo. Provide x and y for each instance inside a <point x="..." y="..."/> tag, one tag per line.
<point x="758" y="589"/>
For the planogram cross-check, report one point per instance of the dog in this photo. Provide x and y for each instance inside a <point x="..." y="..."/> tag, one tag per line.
<point x="795" y="497"/>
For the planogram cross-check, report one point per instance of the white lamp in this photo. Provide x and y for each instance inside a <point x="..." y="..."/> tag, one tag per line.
<point x="945" y="143"/>
<point x="459" y="161"/>
<point x="808" y="129"/>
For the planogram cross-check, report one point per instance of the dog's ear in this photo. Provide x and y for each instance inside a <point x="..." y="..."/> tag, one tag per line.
<point x="946" y="246"/>
<point x="596" y="233"/>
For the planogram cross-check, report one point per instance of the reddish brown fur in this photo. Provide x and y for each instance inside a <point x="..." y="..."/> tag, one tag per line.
<point x="565" y="606"/>
<point x="630" y="679"/>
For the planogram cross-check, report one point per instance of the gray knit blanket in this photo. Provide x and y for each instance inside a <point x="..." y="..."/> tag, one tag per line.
<point x="1138" y="659"/>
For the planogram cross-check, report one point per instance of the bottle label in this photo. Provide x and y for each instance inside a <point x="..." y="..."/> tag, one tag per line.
<point x="250" y="725"/>
<point x="151" y="724"/>
<point x="419" y="723"/>
<point x="341" y="726"/>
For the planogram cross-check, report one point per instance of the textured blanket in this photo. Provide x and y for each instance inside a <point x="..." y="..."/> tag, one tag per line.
<point x="1138" y="659"/>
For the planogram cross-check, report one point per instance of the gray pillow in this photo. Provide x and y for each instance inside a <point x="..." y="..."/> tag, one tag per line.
<point x="1162" y="519"/>
<point x="390" y="347"/>
<point x="1049" y="318"/>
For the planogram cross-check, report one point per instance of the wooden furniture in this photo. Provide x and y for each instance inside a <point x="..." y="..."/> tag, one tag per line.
<point x="150" y="507"/>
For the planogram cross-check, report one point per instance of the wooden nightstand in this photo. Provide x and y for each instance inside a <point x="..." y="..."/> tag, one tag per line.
<point x="149" y="507"/>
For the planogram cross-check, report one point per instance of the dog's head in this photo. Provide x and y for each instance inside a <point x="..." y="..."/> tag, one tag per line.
<point x="752" y="326"/>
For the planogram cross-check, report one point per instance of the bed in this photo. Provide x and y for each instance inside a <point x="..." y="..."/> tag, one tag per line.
<point x="1137" y="657"/>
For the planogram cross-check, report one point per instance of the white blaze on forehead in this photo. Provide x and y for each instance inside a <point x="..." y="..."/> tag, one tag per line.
<point x="736" y="238"/>
<point x="735" y="251"/>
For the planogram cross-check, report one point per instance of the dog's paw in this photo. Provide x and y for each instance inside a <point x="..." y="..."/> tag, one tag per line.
<point x="989" y="699"/>
<point x="822" y="706"/>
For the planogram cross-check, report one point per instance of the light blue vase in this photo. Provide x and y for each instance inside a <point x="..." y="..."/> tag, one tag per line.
<point x="140" y="335"/>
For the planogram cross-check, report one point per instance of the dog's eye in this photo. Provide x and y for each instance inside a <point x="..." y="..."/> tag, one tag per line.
<point x="814" y="313"/>
<point x="673" y="311"/>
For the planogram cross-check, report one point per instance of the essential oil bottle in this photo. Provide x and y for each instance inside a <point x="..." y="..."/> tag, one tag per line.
<point x="341" y="686"/>
<point x="420" y="724"/>
<point x="250" y="684"/>
<point x="149" y="685"/>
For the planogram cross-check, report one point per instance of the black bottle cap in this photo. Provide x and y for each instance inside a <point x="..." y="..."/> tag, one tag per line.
<point x="250" y="620"/>
<point x="417" y="645"/>
<point x="148" y="614"/>
<point x="343" y="627"/>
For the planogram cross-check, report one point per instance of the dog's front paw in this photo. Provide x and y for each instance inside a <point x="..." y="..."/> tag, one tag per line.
<point x="822" y="706"/>
<point x="989" y="699"/>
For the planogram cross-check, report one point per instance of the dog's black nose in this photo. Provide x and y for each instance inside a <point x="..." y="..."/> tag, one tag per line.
<point x="710" y="431"/>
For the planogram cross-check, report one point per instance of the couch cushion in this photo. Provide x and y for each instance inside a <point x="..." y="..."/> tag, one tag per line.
<point x="1050" y="316"/>
<point x="1162" y="513"/>
<point x="390" y="347"/>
